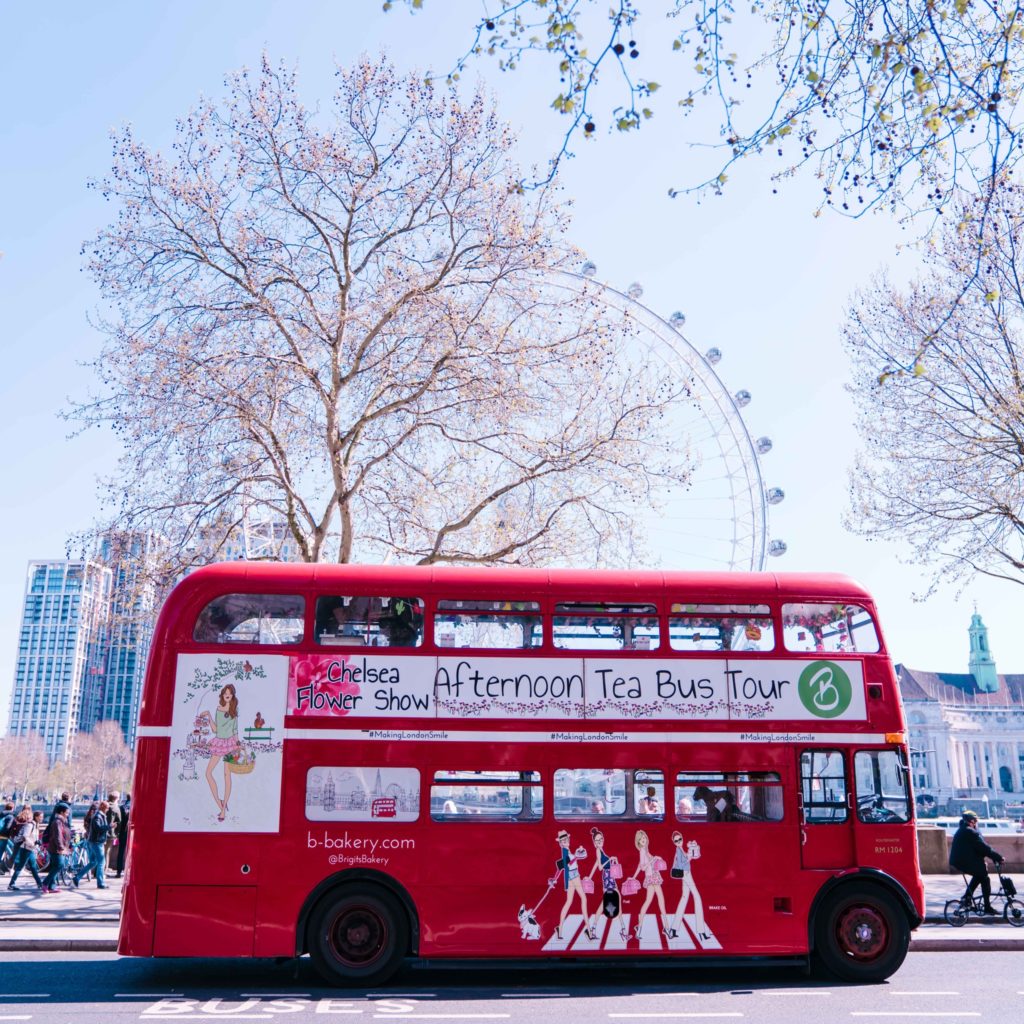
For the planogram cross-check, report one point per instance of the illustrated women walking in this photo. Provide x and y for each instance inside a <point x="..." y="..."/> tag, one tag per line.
<point x="223" y="744"/>
<point x="611" y="902"/>
<point x="681" y="870"/>
<point x="652" y="882"/>
<point x="573" y="884"/>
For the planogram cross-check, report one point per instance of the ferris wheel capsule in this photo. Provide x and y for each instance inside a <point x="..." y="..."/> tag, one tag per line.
<point x="776" y="548"/>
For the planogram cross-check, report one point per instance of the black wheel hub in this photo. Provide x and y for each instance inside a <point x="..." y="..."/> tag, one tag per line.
<point x="358" y="936"/>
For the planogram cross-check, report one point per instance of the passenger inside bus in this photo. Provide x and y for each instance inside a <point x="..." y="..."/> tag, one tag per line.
<point x="369" y="621"/>
<point x="720" y="804"/>
<point x="649" y="803"/>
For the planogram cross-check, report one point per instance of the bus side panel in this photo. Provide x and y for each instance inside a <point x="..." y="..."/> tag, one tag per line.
<point x="205" y="920"/>
<point x="146" y="847"/>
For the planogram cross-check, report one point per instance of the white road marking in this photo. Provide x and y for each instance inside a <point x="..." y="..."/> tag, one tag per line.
<point x="16" y="1016"/>
<point x="669" y="1014"/>
<point x="796" y="992"/>
<point x="924" y="993"/>
<point x="441" y="1016"/>
<point x="534" y="995"/>
<point x="275" y="995"/>
<point x="25" y="995"/>
<point x="148" y="995"/>
<point x="205" y="1016"/>
<point x="401" y="995"/>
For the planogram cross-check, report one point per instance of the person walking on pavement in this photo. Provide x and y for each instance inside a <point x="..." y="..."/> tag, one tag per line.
<point x="64" y="798"/>
<point x="25" y="842"/>
<point x="8" y="827"/>
<point x="95" y="838"/>
<point x="60" y="845"/>
<point x="122" y="835"/>
<point x="115" y="819"/>
<point x="968" y="854"/>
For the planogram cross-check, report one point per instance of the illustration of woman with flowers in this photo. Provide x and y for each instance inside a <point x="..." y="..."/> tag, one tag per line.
<point x="223" y="744"/>
<point x="652" y="881"/>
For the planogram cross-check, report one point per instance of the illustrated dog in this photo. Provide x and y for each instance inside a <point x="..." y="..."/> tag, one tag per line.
<point x="528" y="924"/>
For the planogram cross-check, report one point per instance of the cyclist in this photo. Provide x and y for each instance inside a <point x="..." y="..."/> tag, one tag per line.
<point x="968" y="855"/>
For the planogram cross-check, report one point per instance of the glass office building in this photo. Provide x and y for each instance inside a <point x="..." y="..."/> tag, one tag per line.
<point x="62" y="651"/>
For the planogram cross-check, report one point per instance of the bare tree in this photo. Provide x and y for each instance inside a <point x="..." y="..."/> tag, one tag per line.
<point x="943" y="465"/>
<point x="342" y="322"/>
<point x="887" y="101"/>
<point x="24" y="765"/>
<point x="100" y="760"/>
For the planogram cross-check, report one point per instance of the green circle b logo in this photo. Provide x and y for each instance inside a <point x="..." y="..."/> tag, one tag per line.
<point x="825" y="689"/>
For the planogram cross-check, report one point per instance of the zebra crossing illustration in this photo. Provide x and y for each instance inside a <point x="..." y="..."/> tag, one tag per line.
<point x="614" y="935"/>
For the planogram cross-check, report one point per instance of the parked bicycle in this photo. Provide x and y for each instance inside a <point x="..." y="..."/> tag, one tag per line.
<point x="958" y="912"/>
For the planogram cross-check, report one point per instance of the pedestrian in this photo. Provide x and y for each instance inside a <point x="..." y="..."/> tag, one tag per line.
<point x="95" y="838"/>
<point x="115" y="820"/>
<point x="122" y="835"/>
<point x="8" y="827"/>
<point x="65" y="798"/>
<point x="60" y="844"/>
<point x="25" y="842"/>
<point x="968" y="853"/>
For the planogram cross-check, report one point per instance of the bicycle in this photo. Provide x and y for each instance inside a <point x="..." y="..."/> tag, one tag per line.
<point x="958" y="911"/>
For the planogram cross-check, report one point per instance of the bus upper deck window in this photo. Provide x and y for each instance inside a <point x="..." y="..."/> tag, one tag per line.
<point x="369" y="621"/>
<point x="836" y="628"/>
<point x="488" y="624"/>
<point x="251" y="619"/>
<point x="719" y="627"/>
<point x="603" y="626"/>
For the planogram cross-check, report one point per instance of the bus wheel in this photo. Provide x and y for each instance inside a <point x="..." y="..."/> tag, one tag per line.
<point x="358" y="937"/>
<point x="861" y="934"/>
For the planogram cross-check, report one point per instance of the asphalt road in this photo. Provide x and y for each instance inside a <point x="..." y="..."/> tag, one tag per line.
<point x="984" y="987"/>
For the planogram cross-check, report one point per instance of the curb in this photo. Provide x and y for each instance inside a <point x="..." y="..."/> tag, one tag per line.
<point x="58" y="945"/>
<point x="944" y="945"/>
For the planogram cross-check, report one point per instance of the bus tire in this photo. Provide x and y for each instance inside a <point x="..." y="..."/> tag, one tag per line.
<point x="861" y="933"/>
<point x="358" y="936"/>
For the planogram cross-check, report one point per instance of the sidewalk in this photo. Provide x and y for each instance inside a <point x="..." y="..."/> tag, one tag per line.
<point x="85" y="919"/>
<point x="73" y="920"/>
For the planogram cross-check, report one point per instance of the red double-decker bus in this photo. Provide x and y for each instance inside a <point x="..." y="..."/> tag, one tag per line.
<point x="370" y="764"/>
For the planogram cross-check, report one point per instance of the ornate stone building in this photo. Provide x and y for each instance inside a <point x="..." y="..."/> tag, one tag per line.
<point x="966" y="734"/>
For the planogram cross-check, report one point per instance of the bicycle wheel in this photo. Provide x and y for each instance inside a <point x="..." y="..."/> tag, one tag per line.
<point x="956" y="913"/>
<point x="1013" y="912"/>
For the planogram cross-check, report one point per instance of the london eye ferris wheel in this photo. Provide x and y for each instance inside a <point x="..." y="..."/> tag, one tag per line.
<point x="720" y="521"/>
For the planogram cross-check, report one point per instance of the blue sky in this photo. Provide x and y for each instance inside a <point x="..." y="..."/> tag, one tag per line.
<point x="756" y="274"/>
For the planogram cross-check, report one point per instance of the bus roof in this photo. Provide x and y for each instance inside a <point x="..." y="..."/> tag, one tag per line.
<point x="740" y="587"/>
